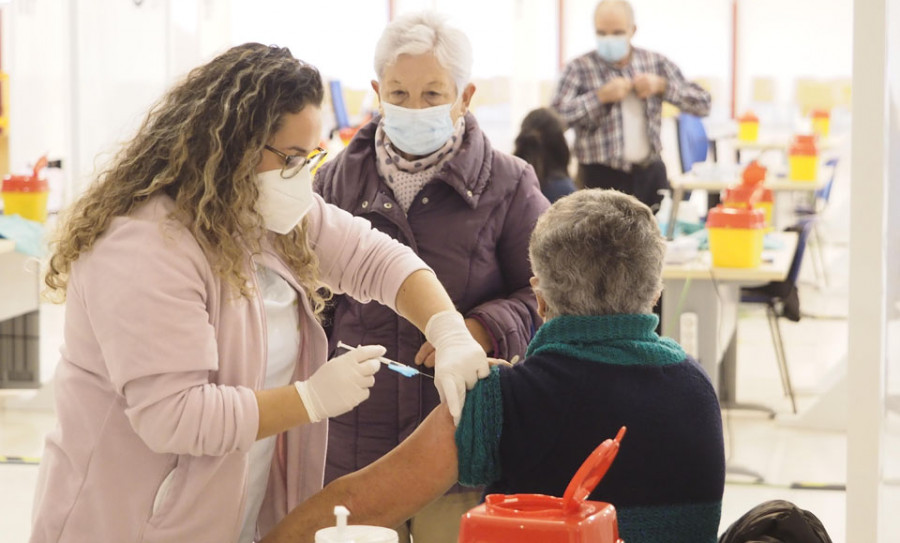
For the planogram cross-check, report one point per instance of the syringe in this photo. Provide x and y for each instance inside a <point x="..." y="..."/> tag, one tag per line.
<point x="402" y="369"/>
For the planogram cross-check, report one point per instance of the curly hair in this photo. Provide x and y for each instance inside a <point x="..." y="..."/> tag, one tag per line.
<point x="200" y="145"/>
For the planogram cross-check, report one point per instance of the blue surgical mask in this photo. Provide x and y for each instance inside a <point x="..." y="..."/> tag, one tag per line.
<point x="612" y="49"/>
<point x="418" y="132"/>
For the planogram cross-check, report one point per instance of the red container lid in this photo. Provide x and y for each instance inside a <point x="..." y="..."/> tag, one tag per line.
<point x="804" y="145"/>
<point x="580" y="487"/>
<point x="733" y="217"/>
<point x="748" y="117"/>
<point x="24" y="183"/>
<point x="747" y="194"/>
<point x="591" y="472"/>
<point x="820" y="114"/>
<point x="753" y="174"/>
<point x="27" y="183"/>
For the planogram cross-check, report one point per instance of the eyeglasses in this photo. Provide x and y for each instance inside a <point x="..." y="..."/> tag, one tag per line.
<point x="294" y="163"/>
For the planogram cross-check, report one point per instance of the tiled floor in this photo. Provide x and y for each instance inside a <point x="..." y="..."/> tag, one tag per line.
<point x="783" y="450"/>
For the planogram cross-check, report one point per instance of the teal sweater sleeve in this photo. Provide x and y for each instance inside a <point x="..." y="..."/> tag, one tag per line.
<point x="478" y="433"/>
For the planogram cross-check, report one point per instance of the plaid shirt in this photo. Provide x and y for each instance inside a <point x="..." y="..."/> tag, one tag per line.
<point x="599" y="136"/>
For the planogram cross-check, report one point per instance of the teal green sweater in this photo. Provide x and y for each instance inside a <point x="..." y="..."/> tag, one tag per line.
<point x="528" y="428"/>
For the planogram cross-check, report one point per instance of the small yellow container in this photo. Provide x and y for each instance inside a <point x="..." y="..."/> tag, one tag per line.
<point x="803" y="159"/>
<point x="821" y="120"/>
<point x="25" y="196"/>
<point x="735" y="236"/>
<point x="748" y="127"/>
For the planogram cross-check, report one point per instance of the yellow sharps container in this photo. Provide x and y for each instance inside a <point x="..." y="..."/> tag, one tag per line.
<point x="736" y="236"/>
<point x="748" y="127"/>
<point x="803" y="159"/>
<point x="26" y="195"/>
<point x="821" y="121"/>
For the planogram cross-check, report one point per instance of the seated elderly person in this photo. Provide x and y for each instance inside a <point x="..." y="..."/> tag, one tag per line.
<point x="595" y="365"/>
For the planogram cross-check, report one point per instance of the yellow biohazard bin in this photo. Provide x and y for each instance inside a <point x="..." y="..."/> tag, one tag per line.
<point x="748" y="127"/>
<point x="803" y="159"/>
<point x="26" y="195"/>
<point x="735" y="236"/>
<point x="821" y="121"/>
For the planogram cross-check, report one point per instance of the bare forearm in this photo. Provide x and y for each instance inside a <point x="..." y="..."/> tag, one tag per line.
<point x="301" y="524"/>
<point x="280" y="409"/>
<point x="387" y="492"/>
<point x="420" y="296"/>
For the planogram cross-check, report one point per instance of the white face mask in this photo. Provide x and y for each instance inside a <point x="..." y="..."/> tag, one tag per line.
<point x="284" y="202"/>
<point x="418" y="132"/>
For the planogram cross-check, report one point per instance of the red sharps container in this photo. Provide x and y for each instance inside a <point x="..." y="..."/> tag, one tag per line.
<point x="537" y="518"/>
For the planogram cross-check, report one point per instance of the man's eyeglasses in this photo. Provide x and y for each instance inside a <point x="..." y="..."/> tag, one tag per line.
<point x="294" y="163"/>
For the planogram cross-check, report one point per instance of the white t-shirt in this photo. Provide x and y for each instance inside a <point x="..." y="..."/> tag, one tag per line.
<point x="283" y="335"/>
<point x="634" y="129"/>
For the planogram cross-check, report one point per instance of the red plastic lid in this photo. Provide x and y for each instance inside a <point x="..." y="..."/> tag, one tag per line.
<point x="24" y="183"/>
<point x="820" y="114"/>
<point x="591" y="472"/>
<point x="748" y="194"/>
<point x="748" y="117"/>
<point x="733" y="217"/>
<point x="753" y="174"/>
<point x="804" y="145"/>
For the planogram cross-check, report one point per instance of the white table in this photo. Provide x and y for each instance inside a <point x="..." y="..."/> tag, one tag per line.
<point x="781" y="142"/>
<point x="714" y="295"/>
<point x="19" y="318"/>
<point x="685" y="182"/>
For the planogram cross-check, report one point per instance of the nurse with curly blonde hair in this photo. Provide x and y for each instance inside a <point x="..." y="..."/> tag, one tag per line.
<point x="193" y="376"/>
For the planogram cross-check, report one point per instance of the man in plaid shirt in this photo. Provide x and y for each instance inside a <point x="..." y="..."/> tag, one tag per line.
<point x="612" y="97"/>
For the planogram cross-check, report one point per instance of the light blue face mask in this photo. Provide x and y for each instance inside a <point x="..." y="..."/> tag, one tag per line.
<point x="612" y="48"/>
<point x="418" y="132"/>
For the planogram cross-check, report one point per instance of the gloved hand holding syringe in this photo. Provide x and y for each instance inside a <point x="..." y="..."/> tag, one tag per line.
<point x="402" y="369"/>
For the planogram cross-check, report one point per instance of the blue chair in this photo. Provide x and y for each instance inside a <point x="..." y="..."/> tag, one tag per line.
<point x="341" y="118"/>
<point x="693" y="145"/>
<point x="782" y="301"/>
<point x="813" y="211"/>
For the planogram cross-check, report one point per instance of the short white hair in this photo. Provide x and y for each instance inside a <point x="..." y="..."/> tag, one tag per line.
<point x="423" y="32"/>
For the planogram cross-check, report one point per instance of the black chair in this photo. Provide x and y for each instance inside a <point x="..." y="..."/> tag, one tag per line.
<point x="776" y="521"/>
<point x="782" y="301"/>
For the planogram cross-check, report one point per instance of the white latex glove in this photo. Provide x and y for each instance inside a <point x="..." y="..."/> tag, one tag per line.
<point x="459" y="360"/>
<point x="341" y="384"/>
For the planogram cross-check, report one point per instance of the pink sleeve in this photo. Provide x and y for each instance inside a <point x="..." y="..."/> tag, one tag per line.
<point x="356" y="259"/>
<point x="146" y="293"/>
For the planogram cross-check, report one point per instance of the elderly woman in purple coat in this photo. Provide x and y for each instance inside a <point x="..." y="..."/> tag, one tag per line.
<point x="423" y="172"/>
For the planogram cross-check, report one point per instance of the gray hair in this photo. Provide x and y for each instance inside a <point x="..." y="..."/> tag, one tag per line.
<point x="624" y="3"/>
<point x="597" y="252"/>
<point x="419" y="33"/>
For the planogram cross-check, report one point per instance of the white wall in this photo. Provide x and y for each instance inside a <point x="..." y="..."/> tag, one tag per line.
<point x="694" y="34"/>
<point x="120" y="70"/>
<point x="34" y="56"/>
<point x="787" y="39"/>
<point x="338" y="36"/>
<point x="84" y="73"/>
<point x="872" y="491"/>
<point x="890" y="492"/>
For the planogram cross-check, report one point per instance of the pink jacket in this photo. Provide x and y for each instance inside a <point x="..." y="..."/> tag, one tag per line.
<point x="156" y="377"/>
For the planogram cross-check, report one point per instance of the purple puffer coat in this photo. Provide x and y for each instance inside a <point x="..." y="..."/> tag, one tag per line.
<point x="471" y="223"/>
